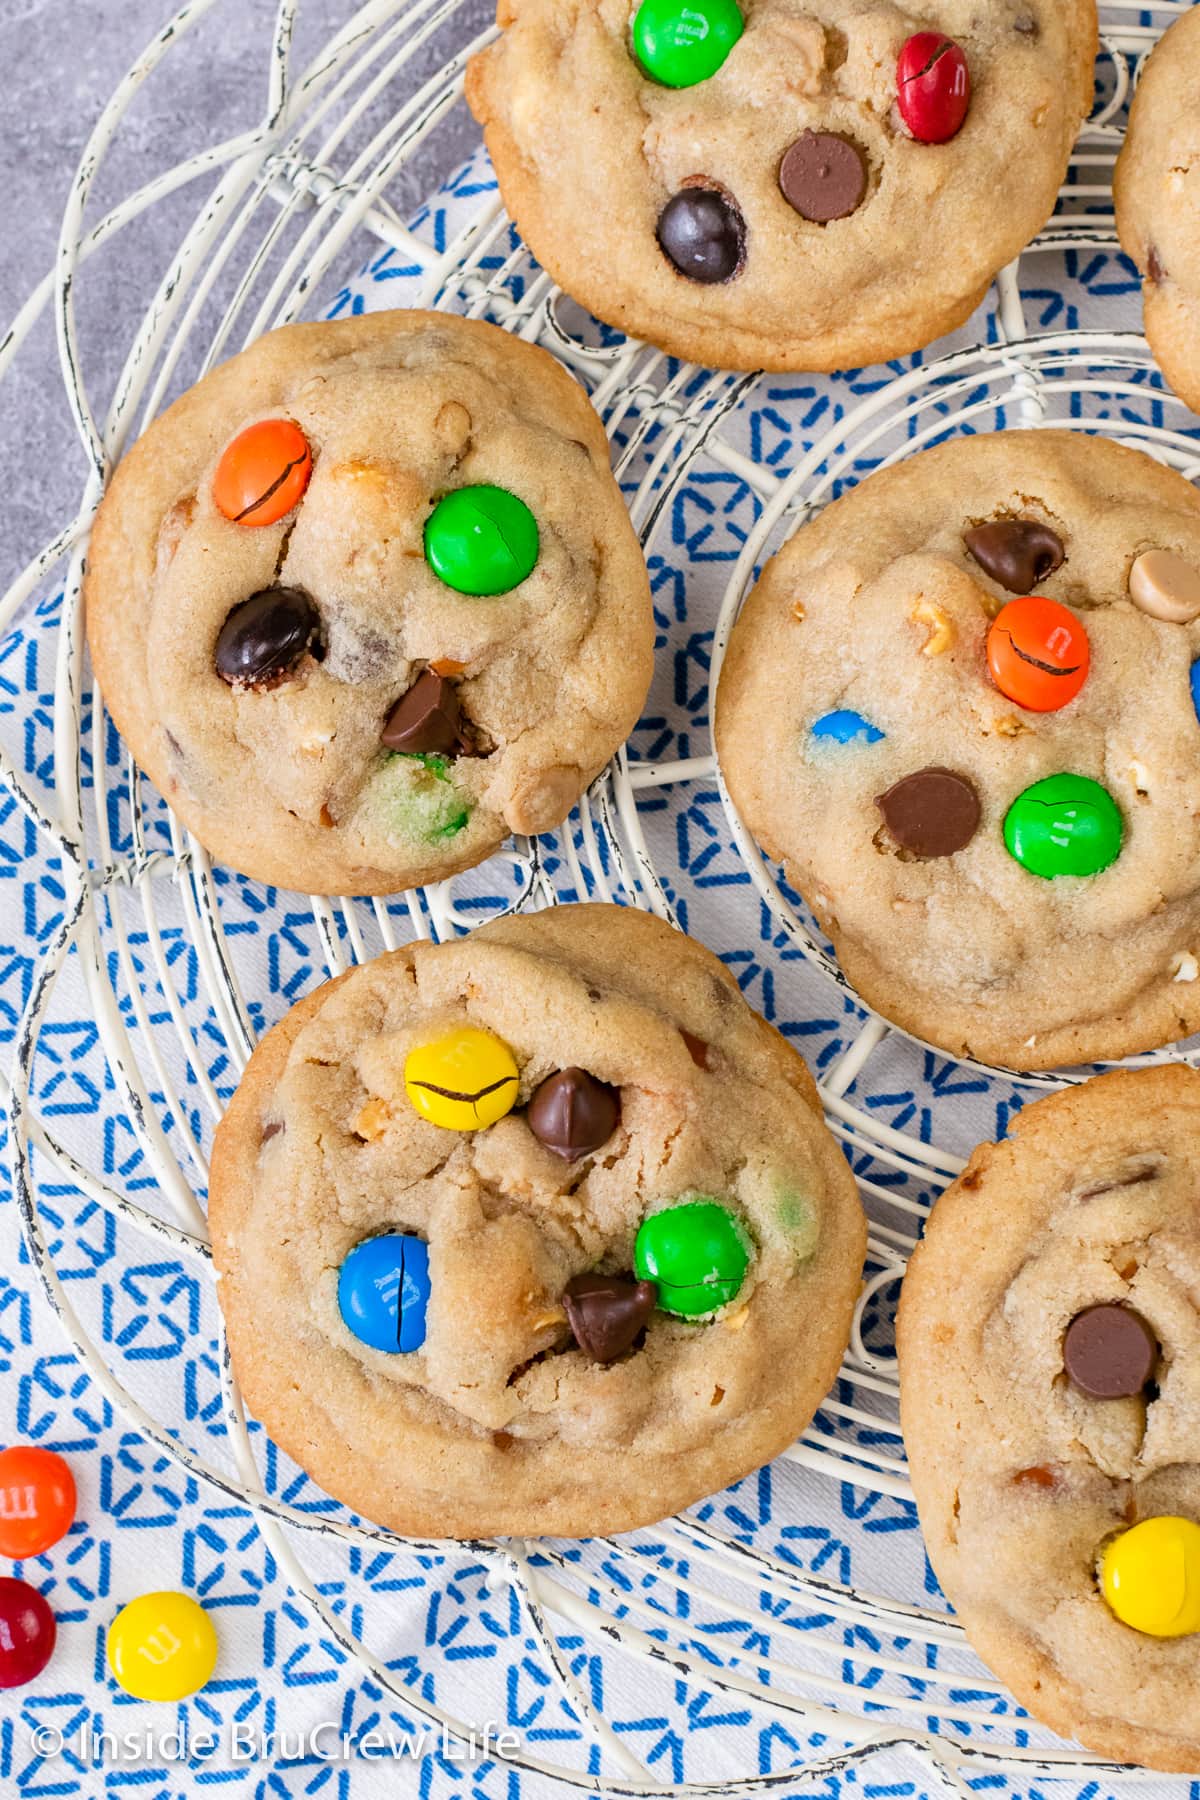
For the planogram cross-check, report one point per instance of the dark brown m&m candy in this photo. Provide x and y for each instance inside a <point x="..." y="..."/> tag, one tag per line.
<point x="931" y="813"/>
<point x="1109" y="1352"/>
<point x="823" y="176"/>
<point x="573" y="1114"/>
<point x="702" y="234"/>
<point x="606" y="1312"/>
<point x="1019" y="554"/>
<point x="427" y="720"/>
<point x="266" y="637"/>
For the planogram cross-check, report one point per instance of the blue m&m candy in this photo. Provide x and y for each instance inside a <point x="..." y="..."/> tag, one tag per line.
<point x="843" y="726"/>
<point x="383" y="1291"/>
<point x="1196" y="686"/>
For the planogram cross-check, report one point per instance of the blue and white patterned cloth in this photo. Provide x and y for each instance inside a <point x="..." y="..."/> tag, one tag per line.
<point x="457" y="1640"/>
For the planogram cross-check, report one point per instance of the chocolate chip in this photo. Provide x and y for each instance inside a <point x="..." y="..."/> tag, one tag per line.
<point x="696" y="1047"/>
<point x="823" y="176"/>
<point x="931" y="813"/>
<point x="606" y="1312"/>
<point x="427" y="719"/>
<point x="1017" y="553"/>
<point x="573" y="1114"/>
<point x="1027" y="25"/>
<point x="1155" y="268"/>
<point x="264" y="639"/>
<point x="702" y="234"/>
<point x="271" y="1128"/>
<point x="1109" y="1352"/>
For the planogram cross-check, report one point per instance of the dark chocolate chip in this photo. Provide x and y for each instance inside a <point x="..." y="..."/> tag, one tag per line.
<point x="1109" y="1352"/>
<point x="931" y="813"/>
<point x="823" y="176"/>
<point x="1155" y="267"/>
<point x="264" y="639"/>
<point x="427" y="719"/>
<point x="606" y="1312"/>
<point x="702" y="234"/>
<point x="696" y="1047"/>
<point x="1017" y="553"/>
<point x="573" y="1114"/>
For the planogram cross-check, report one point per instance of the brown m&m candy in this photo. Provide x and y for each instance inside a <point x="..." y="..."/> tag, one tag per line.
<point x="265" y="638"/>
<point x="823" y="176"/>
<point x="427" y="720"/>
<point x="573" y="1114"/>
<point x="1109" y="1352"/>
<point x="931" y="813"/>
<point x="1016" y="553"/>
<point x="702" y="234"/>
<point x="606" y="1312"/>
<point x="263" y="472"/>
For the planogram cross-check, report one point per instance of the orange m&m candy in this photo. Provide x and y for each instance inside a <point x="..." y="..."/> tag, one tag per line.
<point x="37" y="1500"/>
<point x="263" y="472"/>
<point x="1038" y="653"/>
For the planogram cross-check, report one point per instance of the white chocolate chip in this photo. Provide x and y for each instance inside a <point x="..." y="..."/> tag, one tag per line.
<point x="1166" y="586"/>
<point x="1185" y="967"/>
<point x="1140" y="776"/>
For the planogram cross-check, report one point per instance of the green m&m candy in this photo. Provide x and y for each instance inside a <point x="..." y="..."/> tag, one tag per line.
<point x="680" y="44"/>
<point x="1064" y="825"/>
<point x="697" y="1252"/>
<point x="481" y="540"/>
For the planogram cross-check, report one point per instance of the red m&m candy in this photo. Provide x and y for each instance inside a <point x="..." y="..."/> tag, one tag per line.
<point x="263" y="472"/>
<point x="37" y="1500"/>
<point x="27" y="1632"/>
<point x="933" y="86"/>
<point x="1038" y="653"/>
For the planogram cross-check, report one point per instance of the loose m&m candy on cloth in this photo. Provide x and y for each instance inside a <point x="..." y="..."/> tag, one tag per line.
<point x="1064" y="825"/>
<point x="681" y="44"/>
<point x="27" y="1632"/>
<point x="383" y="1291"/>
<point x="37" y="1500"/>
<point x="1038" y="653"/>
<point x="1151" y="1577"/>
<point x="463" y="1081"/>
<point x="162" y="1646"/>
<point x="481" y="540"/>
<point x="698" y="1254"/>
<point x="263" y="472"/>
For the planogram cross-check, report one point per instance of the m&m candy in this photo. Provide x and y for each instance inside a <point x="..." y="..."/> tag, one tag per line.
<point x="1064" y="825"/>
<point x="383" y="1291"/>
<point x="464" y="1080"/>
<point x="1038" y="653"/>
<point x="37" y="1500"/>
<point x="1194" y="679"/>
<point x="27" y="1632"/>
<point x="844" y="725"/>
<point x="481" y="540"/>
<point x="681" y="44"/>
<point x="162" y="1646"/>
<point x="697" y="1252"/>
<point x="1151" y="1577"/>
<point x="933" y="86"/>
<point x="263" y="472"/>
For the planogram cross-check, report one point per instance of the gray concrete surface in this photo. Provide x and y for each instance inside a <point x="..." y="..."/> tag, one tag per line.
<point x="61" y="60"/>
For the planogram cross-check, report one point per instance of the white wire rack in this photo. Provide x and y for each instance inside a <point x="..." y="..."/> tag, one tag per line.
<point x="850" y="1672"/>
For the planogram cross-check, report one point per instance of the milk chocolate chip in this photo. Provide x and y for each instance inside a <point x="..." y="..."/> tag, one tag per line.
<point x="573" y="1114"/>
<point x="1018" y="553"/>
<point x="1109" y="1352"/>
<point x="606" y="1312"/>
<point x="931" y="813"/>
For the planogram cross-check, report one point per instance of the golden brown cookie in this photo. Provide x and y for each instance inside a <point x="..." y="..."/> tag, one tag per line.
<point x="1156" y="187"/>
<point x="367" y="599"/>
<point x="1049" y="1343"/>
<point x="778" y="212"/>
<point x="479" y="1154"/>
<point x="958" y="705"/>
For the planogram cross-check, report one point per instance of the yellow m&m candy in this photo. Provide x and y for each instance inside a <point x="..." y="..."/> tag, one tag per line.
<point x="1151" y="1577"/>
<point x="462" y="1081"/>
<point x="162" y="1647"/>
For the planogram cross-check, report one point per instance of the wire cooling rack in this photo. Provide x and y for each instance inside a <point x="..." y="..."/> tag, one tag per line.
<point x="151" y="944"/>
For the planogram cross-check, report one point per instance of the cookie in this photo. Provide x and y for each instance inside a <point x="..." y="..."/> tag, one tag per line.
<point x="539" y="1231"/>
<point x="1049" y="1344"/>
<point x="769" y="186"/>
<point x="367" y="599"/>
<point x="1158" y="206"/>
<point x="960" y="706"/>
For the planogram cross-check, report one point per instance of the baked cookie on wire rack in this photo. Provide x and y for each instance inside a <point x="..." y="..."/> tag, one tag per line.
<point x="1049" y="1345"/>
<point x="760" y="185"/>
<point x="961" y="707"/>
<point x="536" y="1231"/>
<point x="367" y="599"/>
<point x="1158" y="204"/>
